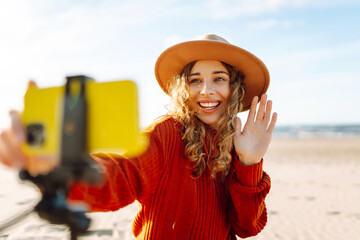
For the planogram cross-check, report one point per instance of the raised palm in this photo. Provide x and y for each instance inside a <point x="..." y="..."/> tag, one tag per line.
<point x="253" y="141"/>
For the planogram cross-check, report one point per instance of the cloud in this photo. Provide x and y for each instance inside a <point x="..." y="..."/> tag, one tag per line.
<point x="227" y="9"/>
<point x="341" y="57"/>
<point x="36" y="35"/>
<point x="318" y="98"/>
<point x="172" y="40"/>
<point x="224" y="9"/>
<point x="271" y="23"/>
<point x="46" y="39"/>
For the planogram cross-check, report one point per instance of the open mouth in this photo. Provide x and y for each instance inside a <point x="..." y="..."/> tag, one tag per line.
<point x="209" y="105"/>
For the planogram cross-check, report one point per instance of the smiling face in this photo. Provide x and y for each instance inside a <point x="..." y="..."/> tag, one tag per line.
<point x="209" y="90"/>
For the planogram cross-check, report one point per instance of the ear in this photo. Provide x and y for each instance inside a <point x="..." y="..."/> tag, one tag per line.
<point x="237" y="124"/>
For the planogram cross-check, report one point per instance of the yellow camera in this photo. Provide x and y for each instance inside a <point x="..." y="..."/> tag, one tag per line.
<point x="112" y="123"/>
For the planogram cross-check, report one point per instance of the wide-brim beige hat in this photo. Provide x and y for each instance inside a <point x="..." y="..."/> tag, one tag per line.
<point x="212" y="47"/>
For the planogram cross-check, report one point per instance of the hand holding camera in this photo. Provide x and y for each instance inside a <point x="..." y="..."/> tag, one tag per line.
<point x="12" y="154"/>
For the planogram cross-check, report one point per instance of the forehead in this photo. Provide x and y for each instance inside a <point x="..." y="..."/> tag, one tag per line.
<point x="208" y="65"/>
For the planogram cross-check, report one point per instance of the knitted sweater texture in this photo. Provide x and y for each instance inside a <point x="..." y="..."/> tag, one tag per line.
<point x="175" y="205"/>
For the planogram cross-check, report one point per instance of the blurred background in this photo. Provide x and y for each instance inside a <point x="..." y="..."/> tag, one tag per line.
<point x="311" y="48"/>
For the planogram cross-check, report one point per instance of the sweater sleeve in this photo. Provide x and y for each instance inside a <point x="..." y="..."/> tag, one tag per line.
<point x="124" y="180"/>
<point x="248" y="188"/>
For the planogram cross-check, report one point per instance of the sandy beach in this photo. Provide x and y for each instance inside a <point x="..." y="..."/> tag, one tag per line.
<point x="315" y="195"/>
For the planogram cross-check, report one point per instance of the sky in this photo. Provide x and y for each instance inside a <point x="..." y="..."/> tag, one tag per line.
<point x="311" y="48"/>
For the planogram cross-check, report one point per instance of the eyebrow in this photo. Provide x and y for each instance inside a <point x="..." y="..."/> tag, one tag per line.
<point x="194" y="74"/>
<point x="215" y="72"/>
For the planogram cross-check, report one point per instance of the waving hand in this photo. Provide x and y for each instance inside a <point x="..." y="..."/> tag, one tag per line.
<point x="252" y="143"/>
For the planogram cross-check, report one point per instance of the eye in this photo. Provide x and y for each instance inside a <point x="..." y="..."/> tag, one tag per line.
<point x="194" y="80"/>
<point x="219" y="79"/>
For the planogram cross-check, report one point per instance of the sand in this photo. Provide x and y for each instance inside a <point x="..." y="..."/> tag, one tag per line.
<point x="315" y="195"/>
<point x="315" y="189"/>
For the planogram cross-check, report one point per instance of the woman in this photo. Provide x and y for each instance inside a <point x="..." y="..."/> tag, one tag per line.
<point x="201" y="177"/>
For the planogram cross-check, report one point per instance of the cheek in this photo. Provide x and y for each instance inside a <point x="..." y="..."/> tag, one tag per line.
<point x="191" y="102"/>
<point x="193" y="89"/>
<point x="226" y="92"/>
<point x="192" y="94"/>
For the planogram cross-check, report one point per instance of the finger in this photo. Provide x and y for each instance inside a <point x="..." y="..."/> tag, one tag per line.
<point x="261" y="110"/>
<point x="31" y="83"/>
<point x="252" y="111"/>
<point x="3" y="154"/>
<point x="11" y="150"/>
<point x="267" y="116"/>
<point x="41" y="164"/>
<point x="272" y="123"/>
<point x="17" y="126"/>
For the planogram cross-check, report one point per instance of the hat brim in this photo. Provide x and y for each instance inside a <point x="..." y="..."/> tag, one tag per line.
<point x="174" y="59"/>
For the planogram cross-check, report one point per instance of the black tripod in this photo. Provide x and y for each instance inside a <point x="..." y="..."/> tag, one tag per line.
<point x="76" y="164"/>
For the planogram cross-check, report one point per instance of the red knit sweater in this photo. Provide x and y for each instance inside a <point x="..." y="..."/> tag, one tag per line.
<point x="174" y="205"/>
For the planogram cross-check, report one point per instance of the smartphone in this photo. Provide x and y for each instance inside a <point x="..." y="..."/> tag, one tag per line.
<point x="112" y="119"/>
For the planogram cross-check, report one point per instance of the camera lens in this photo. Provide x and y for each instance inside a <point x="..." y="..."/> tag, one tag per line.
<point x="35" y="134"/>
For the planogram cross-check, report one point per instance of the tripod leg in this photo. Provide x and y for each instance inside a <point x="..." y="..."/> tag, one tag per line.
<point x="73" y="234"/>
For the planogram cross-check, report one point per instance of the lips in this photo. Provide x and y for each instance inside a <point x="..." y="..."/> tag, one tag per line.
<point x="209" y="106"/>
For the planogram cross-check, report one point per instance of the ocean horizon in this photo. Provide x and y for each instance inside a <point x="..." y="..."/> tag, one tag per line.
<point x="304" y="131"/>
<point x="317" y="131"/>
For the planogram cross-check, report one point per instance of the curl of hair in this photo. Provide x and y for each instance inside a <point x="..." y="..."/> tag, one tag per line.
<point x="194" y="131"/>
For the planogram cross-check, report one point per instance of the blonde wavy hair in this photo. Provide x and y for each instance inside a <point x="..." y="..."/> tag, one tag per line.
<point x="205" y="146"/>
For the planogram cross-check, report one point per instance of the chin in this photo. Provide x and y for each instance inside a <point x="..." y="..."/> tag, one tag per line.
<point x="209" y="122"/>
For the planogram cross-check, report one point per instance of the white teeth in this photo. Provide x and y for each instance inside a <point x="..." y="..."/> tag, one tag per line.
<point x="209" y="104"/>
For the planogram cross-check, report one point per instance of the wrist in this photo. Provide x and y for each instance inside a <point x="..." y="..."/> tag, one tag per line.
<point x="248" y="160"/>
<point x="250" y="175"/>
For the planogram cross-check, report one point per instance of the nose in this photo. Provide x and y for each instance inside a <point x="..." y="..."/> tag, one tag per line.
<point x="207" y="89"/>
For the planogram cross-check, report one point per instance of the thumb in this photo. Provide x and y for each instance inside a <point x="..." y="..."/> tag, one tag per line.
<point x="31" y="83"/>
<point x="238" y="125"/>
<point x="17" y="126"/>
